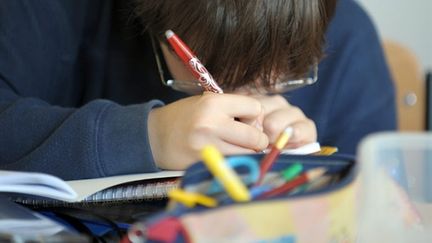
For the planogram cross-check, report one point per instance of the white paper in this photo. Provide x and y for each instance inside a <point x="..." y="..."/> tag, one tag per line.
<point x="303" y="150"/>
<point x="39" y="184"/>
<point x="44" y="185"/>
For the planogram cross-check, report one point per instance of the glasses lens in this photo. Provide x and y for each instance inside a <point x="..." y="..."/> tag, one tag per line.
<point x="290" y="85"/>
<point x="286" y="84"/>
<point x="191" y="87"/>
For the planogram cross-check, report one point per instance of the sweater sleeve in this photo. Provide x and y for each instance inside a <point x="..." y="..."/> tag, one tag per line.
<point x="45" y="125"/>
<point x="99" y="139"/>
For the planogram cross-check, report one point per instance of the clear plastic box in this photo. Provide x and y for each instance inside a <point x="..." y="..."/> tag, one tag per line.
<point x="395" y="188"/>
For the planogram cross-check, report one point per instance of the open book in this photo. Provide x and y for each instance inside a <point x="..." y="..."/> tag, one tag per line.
<point x="40" y="185"/>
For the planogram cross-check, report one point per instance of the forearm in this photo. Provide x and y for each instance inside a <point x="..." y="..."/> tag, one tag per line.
<point x="99" y="139"/>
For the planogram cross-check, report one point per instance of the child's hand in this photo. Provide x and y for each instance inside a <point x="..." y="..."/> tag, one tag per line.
<point x="178" y="131"/>
<point x="278" y="114"/>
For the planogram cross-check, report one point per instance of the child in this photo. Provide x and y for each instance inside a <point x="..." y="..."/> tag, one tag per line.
<point x="81" y="95"/>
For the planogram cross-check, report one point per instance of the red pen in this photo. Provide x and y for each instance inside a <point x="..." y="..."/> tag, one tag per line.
<point x="194" y="64"/>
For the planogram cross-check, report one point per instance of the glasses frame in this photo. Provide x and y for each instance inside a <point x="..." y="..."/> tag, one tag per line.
<point x="194" y="87"/>
<point x="292" y="84"/>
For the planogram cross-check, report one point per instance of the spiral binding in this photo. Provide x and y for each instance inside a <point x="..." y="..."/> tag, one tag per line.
<point x="118" y="194"/>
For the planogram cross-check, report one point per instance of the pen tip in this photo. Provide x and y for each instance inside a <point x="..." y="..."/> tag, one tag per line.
<point x="169" y="33"/>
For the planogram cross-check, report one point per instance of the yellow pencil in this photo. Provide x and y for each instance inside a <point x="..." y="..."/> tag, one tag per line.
<point x="232" y="183"/>
<point x="190" y="199"/>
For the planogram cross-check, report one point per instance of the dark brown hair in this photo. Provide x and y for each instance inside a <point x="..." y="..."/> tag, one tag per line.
<point x="241" y="41"/>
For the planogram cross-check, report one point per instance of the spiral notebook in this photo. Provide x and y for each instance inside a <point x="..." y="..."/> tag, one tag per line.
<point x="43" y="189"/>
<point x="47" y="190"/>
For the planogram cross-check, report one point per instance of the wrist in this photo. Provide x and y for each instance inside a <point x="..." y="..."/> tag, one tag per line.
<point x="154" y="135"/>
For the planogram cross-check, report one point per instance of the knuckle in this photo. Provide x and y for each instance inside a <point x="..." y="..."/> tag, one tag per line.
<point x="279" y="99"/>
<point x="305" y="131"/>
<point x="272" y="127"/>
<point x="253" y="105"/>
<point x="297" y="111"/>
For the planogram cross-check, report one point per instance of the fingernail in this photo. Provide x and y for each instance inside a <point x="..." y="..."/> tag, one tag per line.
<point x="294" y="135"/>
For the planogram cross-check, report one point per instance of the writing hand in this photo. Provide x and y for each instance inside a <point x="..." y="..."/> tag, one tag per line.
<point x="178" y="131"/>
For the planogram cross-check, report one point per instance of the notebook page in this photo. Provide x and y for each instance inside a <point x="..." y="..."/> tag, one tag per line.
<point x="39" y="184"/>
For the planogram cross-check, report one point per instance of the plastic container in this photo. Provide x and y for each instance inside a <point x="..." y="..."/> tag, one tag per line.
<point x="395" y="188"/>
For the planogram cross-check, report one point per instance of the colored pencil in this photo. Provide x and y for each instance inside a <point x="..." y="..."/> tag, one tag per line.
<point x="303" y="178"/>
<point x="271" y="157"/>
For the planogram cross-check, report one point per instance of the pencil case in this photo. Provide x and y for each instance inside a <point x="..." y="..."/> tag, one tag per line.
<point x="321" y="211"/>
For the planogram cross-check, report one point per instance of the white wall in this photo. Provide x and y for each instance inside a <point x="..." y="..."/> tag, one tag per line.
<point x="406" y="21"/>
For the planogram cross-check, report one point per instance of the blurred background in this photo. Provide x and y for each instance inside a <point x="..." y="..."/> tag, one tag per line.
<point x="405" y="26"/>
<point x="406" y="21"/>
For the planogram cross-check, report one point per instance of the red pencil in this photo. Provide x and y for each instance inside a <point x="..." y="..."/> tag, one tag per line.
<point x="303" y="178"/>
<point x="271" y="157"/>
<point x="194" y="64"/>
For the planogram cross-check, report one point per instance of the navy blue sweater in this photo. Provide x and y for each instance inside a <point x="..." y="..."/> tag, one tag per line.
<point x="78" y="78"/>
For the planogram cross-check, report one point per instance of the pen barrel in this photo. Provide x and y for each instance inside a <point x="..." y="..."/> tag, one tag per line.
<point x="181" y="49"/>
<point x="197" y="69"/>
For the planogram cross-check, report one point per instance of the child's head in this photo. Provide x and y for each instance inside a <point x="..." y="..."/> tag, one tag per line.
<point x="242" y="42"/>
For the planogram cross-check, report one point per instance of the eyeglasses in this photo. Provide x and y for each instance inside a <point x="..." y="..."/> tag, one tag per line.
<point x="193" y="87"/>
